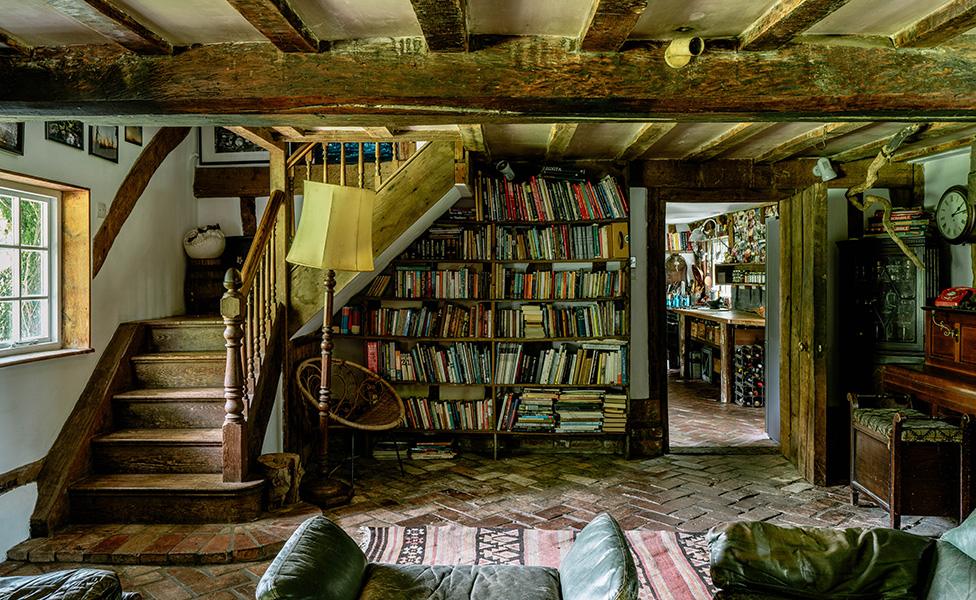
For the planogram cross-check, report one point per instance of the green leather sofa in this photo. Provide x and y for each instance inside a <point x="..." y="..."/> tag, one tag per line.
<point x="321" y="562"/>
<point x="755" y="560"/>
<point x="76" y="584"/>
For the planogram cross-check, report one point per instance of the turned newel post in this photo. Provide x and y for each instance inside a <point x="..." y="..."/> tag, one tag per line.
<point x="325" y="389"/>
<point x="234" y="429"/>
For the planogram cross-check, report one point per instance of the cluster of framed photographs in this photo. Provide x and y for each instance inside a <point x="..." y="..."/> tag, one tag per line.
<point x="103" y="140"/>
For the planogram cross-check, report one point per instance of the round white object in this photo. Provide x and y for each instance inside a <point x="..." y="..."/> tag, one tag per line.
<point x="204" y="242"/>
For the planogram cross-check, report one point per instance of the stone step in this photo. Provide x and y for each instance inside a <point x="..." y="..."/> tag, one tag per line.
<point x="158" y="498"/>
<point x="159" y="451"/>
<point x="180" y="369"/>
<point x="169" y="408"/>
<point x="184" y="334"/>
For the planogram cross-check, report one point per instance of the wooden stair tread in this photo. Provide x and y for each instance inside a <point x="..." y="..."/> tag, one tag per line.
<point x="163" y="436"/>
<point x="170" y="394"/>
<point x="179" y="356"/>
<point x="187" y="321"/>
<point x="199" y="483"/>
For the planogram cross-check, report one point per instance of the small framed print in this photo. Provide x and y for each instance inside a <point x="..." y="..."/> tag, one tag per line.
<point x="133" y="135"/>
<point x="12" y="137"/>
<point x="69" y="133"/>
<point x="103" y="142"/>
<point x="220" y="146"/>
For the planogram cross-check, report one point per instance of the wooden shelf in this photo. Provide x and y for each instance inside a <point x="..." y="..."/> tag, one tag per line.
<point x="556" y="300"/>
<point x="412" y="338"/>
<point x="595" y="386"/>
<point x="563" y="433"/>
<point x="559" y="222"/>
<point x="548" y="261"/>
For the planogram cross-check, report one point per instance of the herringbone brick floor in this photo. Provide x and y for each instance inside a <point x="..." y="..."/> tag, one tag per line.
<point x="696" y="419"/>
<point x="690" y="493"/>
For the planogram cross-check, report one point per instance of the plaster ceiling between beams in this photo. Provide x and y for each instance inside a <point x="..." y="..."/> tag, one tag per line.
<point x="538" y="17"/>
<point x="40" y="25"/>
<point x="185" y="22"/>
<point x="685" y="138"/>
<point x="689" y="212"/>
<point x="875" y="17"/>
<point x="359" y="19"/>
<point x="708" y="18"/>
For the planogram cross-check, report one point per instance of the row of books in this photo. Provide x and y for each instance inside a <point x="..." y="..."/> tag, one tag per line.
<point x="679" y="241"/>
<point x="450" y="320"/>
<point x="455" y="363"/>
<point x="349" y="320"/>
<point x="582" y="320"/>
<point x="556" y="242"/>
<point x="378" y="286"/>
<point x="598" y="363"/>
<point x="559" y="284"/>
<point x="423" y="282"/>
<point x="449" y="242"/>
<point x="423" y="413"/>
<point x="421" y="450"/>
<point x="563" y="411"/>
<point x="907" y="222"/>
<point x="542" y="199"/>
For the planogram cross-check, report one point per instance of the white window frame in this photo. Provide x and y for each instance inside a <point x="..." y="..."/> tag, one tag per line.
<point x="53" y="200"/>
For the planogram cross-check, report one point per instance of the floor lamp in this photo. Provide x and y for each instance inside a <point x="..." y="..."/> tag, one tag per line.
<point x="334" y="234"/>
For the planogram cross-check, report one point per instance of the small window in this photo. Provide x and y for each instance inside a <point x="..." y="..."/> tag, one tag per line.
<point x="29" y="272"/>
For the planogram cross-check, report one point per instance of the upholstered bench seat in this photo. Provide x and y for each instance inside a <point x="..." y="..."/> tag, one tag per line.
<point x="916" y="427"/>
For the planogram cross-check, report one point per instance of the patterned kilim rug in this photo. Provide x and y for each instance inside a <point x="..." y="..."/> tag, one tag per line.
<point x="670" y="566"/>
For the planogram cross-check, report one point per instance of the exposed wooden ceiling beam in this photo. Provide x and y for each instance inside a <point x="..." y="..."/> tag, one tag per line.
<point x="115" y="23"/>
<point x="610" y="24"/>
<point x="380" y="133"/>
<point x="14" y="43"/>
<point x="278" y="21"/>
<point x="785" y="20"/>
<point x="560" y="136"/>
<point x="808" y="139"/>
<point x="512" y="81"/>
<point x="736" y="135"/>
<point x="266" y="137"/>
<point x="346" y="135"/>
<point x="473" y="138"/>
<point x="646" y="136"/>
<point x="444" y="24"/>
<point x="288" y="132"/>
<point x="948" y="21"/>
<point x="871" y="149"/>
<point x="965" y="137"/>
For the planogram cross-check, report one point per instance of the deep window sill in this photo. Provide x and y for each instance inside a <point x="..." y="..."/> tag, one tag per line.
<point x="29" y="357"/>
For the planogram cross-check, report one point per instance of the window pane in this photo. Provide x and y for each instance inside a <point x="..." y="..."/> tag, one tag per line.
<point x="8" y="272"/>
<point x="34" y="319"/>
<point x="7" y="233"/>
<point x="6" y="323"/>
<point x="33" y="223"/>
<point x="33" y="273"/>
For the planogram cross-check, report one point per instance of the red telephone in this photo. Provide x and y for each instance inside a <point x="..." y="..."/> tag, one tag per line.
<point x="955" y="297"/>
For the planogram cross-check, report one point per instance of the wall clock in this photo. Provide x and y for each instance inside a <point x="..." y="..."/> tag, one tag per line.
<point x="955" y="215"/>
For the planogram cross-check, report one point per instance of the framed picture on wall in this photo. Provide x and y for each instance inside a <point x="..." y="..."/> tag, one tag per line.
<point x="69" y="133"/>
<point x="133" y="135"/>
<point x="103" y="142"/>
<point x="12" y="137"/>
<point x="219" y="146"/>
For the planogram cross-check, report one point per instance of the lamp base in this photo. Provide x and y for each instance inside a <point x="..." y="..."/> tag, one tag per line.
<point x="327" y="493"/>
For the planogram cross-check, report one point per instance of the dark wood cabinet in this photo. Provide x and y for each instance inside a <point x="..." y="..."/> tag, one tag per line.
<point x="951" y="339"/>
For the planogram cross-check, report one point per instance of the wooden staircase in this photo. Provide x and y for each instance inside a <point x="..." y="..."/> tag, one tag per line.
<point x="162" y="459"/>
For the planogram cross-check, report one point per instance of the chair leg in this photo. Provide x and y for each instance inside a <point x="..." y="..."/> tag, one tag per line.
<point x="855" y="497"/>
<point x="396" y="446"/>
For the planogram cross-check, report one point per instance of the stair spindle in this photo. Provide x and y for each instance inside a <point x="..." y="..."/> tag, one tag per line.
<point x="234" y="438"/>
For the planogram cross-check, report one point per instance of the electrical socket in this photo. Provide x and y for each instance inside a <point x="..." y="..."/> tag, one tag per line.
<point x="101" y="210"/>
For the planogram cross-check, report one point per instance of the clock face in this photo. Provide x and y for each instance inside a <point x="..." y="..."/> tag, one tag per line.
<point x="954" y="215"/>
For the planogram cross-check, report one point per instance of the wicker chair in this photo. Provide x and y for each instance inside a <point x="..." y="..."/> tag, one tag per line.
<point x="361" y="399"/>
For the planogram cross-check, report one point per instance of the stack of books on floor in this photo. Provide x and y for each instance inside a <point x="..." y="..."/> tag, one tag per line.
<point x="463" y="363"/>
<point x="579" y="411"/>
<point x="433" y="451"/>
<point x="423" y="413"/>
<point x="615" y="413"/>
<point x="598" y="363"/>
<point x="388" y="450"/>
<point x="907" y="222"/>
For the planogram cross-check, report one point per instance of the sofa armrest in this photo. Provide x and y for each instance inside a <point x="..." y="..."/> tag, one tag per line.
<point x="76" y="584"/>
<point x="815" y="562"/>
<point x="599" y="566"/>
<point x="318" y="562"/>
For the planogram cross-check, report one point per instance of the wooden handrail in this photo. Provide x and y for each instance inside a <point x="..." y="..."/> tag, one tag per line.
<point x="261" y="239"/>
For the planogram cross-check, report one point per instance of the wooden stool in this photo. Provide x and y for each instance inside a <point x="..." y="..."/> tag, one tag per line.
<point x="908" y="462"/>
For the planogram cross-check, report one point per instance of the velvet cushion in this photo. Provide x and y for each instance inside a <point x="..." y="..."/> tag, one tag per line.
<point x="481" y="582"/>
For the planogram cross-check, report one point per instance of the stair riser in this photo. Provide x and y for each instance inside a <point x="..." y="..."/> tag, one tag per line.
<point x="179" y="373"/>
<point x="170" y="507"/>
<point x="133" y="414"/>
<point x="156" y="458"/>
<point x="187" y="339"/>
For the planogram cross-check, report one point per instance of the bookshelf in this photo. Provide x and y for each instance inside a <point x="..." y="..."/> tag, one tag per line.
<point x="509" y="317"/>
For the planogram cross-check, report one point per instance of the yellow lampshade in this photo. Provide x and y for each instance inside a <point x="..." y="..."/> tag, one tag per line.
<point x="336" y="228"/>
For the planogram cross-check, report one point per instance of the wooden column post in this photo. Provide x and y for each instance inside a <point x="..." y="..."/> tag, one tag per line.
<point x="235" y="427"/>
<point x="325" y="389"/>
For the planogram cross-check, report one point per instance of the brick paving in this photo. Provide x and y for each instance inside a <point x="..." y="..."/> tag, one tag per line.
<point x="683" y="492"/>
<point x="697" y="420"/>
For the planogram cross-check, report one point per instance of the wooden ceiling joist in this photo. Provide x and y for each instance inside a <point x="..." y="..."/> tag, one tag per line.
<point x="949" y="21"/>
<point x="808" y="139"/>
<point x="560" y="136"/>
<point x="346" y="135"/>
<point x="278" y="21"/>
<point x="736" y="135"/>
<point x="288" y="132"/>
<point x="266" y="137"/>
<point x="380" y="133"/>
<point x="111" y="21"/>
<point x="473" y="138"/>
<point x="646" y="137"/>
<point x="610" y="24"/>
<point x="444" y="23"/>
<point x="14" y="43"/>
<point x="964" y="138"/>
<point x="785" y="20"/>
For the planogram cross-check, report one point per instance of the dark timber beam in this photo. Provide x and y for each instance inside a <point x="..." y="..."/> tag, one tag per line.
<point x="947" y="22"/>
<point x="444" y="24"/>
<point x="113" y="22"/>
<point x="473" y="138"/>
<point x="513" y="81"/>
<point x="230" y="182"/>
<point x="560" y="136"/>
<point x="278" y="21"/>
<point x="610" y="24"/>
<point x="784" y="21"/>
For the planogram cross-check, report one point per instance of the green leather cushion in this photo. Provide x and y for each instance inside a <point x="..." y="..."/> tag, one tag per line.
<point x="599" y="565"/>
<point x="318" y="562"/>
<point x="819" y="562"/>
<point x="426" y="582"/>
<point x="953" y="574"/>
<point x="76" y="584"/>
<point x="964" y="536"/>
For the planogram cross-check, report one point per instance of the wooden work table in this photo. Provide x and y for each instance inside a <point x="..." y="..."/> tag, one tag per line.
<point x="734" y="327"/>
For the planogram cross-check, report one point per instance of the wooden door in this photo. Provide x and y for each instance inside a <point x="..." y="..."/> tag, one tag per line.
<point x="803" y="304"/>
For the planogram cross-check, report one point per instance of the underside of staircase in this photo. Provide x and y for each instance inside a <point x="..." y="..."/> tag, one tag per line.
<point x="162" y="460"/>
